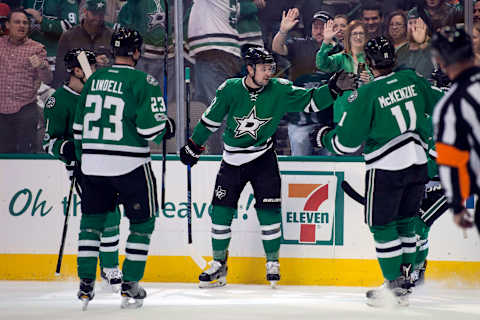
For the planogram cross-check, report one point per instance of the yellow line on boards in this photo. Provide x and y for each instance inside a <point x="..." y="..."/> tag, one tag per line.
<point x="247" y="270"/>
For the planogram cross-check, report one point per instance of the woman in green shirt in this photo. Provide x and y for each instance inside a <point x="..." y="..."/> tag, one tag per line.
<point x="348" y="60"/>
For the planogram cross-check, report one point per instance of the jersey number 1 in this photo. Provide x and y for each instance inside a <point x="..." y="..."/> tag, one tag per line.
<point x="402" y="124"/>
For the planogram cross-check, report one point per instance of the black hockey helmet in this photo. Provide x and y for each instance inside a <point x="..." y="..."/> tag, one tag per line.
<point x="125" y="41"/>
<point x="381" y="52"/>
<point x="452" y="45"/>
<point x="257" y="55"/>
<point x="71" y="58"/>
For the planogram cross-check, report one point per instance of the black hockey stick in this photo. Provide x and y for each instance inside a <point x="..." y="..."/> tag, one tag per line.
<point x="197" y="258"/>
<point x="165" y="98"/>
<point x="352" y="193"/>
<point x="65" y="227"/>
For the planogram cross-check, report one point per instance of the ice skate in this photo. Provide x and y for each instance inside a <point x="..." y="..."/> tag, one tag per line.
<point x="215" y="276"/>
<point x="388" y="296"/>
<point x="112" y="278"/>
<point x="273" y="273"/>
<point x="86" y="292"/>
<point x="418" y="276"/>
<point x="132" y="295"/>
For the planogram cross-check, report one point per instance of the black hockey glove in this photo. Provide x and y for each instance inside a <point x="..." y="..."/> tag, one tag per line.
<point x="317" y="134"/>
<point x="170" y="128"/>
<point x="67" y="151"/>
<point x="190" y="153"/>
<point x="341" y="81"/>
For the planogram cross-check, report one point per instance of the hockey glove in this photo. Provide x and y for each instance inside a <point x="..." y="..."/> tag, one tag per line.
<point x="170" y="128"/>
<point x="317" y="134"/>
<point x="341" y="81"/>
<point x="190" y="153"/>
<point x="67" y="151"/>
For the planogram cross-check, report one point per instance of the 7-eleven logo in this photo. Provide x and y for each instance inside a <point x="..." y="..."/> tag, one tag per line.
<point x="310" y="216"/>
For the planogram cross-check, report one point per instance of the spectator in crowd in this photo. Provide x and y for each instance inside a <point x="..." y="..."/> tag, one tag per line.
<point x="340" y="25"/>
<point x="476" y="42"/>
<point x="301" y="54"/>
<point x="214" y="39"/>
<point x="418" y="56"/>
<point x="438" y="13"/>
<point x="49" y="20"/>
<point x="149" y="18"/>
<point x="396" y="26"/>
<point x="349" y="60"/>
<point x="372" y="18"/>
<point x="4" y="11"/>
<point x="300" y="51"/>
<point x="23" y="65"/>
<point x="476" y="11"/>
<point x="269" y="16"/>
<point x="91" y="33"/>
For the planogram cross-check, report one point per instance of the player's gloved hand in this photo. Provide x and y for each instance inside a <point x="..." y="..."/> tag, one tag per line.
<point x="170" y="128"/>
<point x="190" y="153"/>
<point x="67" y="151"/>
<point x="317" y="134"/>
<point x="341" y="81"/>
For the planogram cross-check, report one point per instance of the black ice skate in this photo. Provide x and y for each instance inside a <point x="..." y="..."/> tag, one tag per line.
<point x="392" y="292"/>
<point x="132" y="295"/>
<point x="86" y="292"/>
<point x="112" y="278"/>
<point x="215" y="276"/>
<point x="273" y="273"/>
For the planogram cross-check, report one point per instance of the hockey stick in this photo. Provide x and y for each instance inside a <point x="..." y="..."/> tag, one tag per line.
<point x="65" y="227"/>
<point x="165" y="97"/>
<point x="82" y="59"/>
<point x="352" y="193"/>
<point x="197" y="258"/>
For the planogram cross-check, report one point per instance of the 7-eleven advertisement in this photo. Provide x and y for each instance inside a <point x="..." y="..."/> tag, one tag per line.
<point x="312" y="208"/>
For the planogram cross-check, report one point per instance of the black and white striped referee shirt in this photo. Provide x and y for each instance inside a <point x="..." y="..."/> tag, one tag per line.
<point x="456" y="120"/>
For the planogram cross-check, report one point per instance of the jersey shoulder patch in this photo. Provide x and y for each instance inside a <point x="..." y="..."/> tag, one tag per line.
<point x="50" y="102"/>
<point x="353" y="96"/>
<point x="151" y="80"/>
<point x="283" y="81"/>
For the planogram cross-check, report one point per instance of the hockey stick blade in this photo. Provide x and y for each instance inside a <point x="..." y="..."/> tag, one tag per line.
<point x="196" y="257"/>
<point x="82" y="59"/>
<point x="348" y="189"/>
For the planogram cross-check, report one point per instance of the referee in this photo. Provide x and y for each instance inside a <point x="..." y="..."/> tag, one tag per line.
<point x="456" y="121"/>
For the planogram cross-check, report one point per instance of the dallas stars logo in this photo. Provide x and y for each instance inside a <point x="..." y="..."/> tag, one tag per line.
<point x="249" y="124"/>
<point x="156" y="18"/>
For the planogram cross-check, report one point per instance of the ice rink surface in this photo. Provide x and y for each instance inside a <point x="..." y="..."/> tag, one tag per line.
<point x="177" y="301"/>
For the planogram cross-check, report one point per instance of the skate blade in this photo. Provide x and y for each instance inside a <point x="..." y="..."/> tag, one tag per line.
<point x="115" y="288"/>
<point x="212" y="284"/>
<point x="130" y="303"/>
<point x="388" y="301"/>
<point x="85" y="300"/>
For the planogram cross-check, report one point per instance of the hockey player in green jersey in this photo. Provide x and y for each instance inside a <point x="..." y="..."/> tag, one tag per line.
<point x="253" y="107"/>
<point x="391" y="115"/>
<point x="59" y="112"/>
<point x="120" y="109"/>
